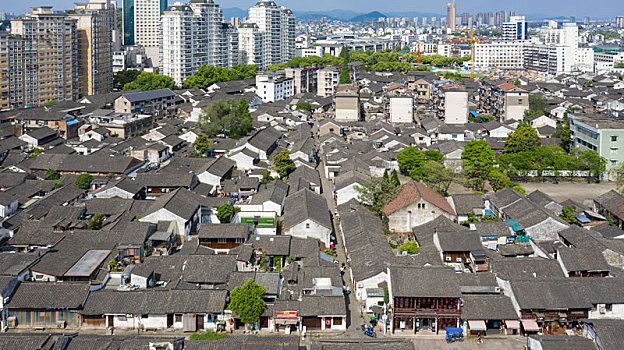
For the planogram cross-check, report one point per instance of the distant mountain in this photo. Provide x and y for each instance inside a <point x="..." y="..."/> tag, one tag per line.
<point x="367" y="17"/>
<point x="339" y="15"/>
<point x="234" y="12"/>
<point x="413" y="14"/>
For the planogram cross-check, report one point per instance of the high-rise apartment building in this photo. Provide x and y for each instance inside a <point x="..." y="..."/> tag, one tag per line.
<point x="38" y="59"/>
<point x="278" y="25"/>
<point x="95" y="25"/>
<point x="251" y="44"/>
<point x="195" y="35"/>
<point x="141" y="25"/>
<point x="450" y="14"/>
<point x="619" y="21"/>
<point x="516" y="29"/>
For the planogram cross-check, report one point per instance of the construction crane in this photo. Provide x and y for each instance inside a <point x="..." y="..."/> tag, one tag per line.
<point x="472" y="41"/>
<point x="417" y="54"/>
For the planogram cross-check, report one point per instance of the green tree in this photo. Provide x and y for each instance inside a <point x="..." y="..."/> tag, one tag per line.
<point x="266" y="178"/>
<point x="498" y="180"/>
<point x="304" y="106"/>
<point x="596" y="164"/>
<point x="538" y="103"/>
<point x="395" y="178"/>
<point x="208" y="75"/>
<point x="410" y="158"/>
<point x="523" y="139"/>
<point x="202" y="143"/>
<point x="52" y="174"/>
<point x="95" y="222"/>
<point x="478" y="159"/>
<point x="480" y="119"/>
<point x="151" y="81"/>
<point x="564" y="134"/>
<point x="283" y="164"/>
<point x="618" y="171"/>
<point x="228" y="117"/>
<point x="411" y="247"/>
<point x="224" y="213"/>
<point x="567" y="213"/>
<point x="83" y="181"/>
<point x="433" y="155"/>
<point x="434" y="175"/>
<point x="376" y="193"/>
<point x="121" y="78"/>
<point x="58" y="185"/>
<point x="246" y="301"/>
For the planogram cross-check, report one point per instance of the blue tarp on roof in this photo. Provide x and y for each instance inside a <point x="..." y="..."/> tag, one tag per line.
<point x="474" y="113"/>
<point x="72" y="122"/>
<point x="515" y="226"/>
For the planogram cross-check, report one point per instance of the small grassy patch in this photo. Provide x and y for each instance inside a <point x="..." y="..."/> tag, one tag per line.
<point x="208" y="336"/>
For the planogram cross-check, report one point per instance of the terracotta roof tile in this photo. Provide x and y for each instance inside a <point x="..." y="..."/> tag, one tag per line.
<point x="413" y="191"/>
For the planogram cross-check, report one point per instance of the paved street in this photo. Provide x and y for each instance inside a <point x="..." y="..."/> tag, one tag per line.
<point x="354" y="315"/>
<point x="506" y="343"/>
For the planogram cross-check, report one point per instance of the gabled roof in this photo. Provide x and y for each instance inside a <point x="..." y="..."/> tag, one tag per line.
<point x="148" y="95"/>
<point x="48" y="295"/>
<point x="440" y="282"/>
<point x="414" y="191"/>
<point x="303" y="205"/>
<point x="613" y="202"/>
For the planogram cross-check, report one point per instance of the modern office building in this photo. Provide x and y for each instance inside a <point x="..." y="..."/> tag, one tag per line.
<point x="451" y="14"/>
<point x="141" y="25"/>
<point x="278" y="25"/>
<point x="95" y="25"/>
<point x="39" y="59"/>
<point x="194" y="35"/>
<point x="516" y="29"/>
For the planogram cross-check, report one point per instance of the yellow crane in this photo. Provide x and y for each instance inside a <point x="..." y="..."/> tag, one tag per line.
<point x="417" y="53"/>
<point x="472" y="41"/>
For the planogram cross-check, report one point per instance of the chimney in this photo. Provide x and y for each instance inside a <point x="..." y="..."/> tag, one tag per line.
<point x="18" y="130"/>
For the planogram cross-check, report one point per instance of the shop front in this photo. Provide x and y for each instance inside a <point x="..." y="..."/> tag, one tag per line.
<point x="287" y="322"/>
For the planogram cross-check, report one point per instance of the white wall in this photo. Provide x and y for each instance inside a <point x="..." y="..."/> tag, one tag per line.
<point x="310" y="229"/>
<point x="456" y="107"/>
<point x="401" y="110"/>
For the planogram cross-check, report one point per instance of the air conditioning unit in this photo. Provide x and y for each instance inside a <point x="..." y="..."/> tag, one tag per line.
<point x="60" y="324"/>
<point x="12" y="322"/>
<point x="602" y="309"/>
<point x="468" y="261"/>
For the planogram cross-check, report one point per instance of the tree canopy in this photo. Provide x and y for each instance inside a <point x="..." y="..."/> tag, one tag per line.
<point x="121" y="78"/>
<point x="228" y="117"/>
<point x="283" y="164"/>
<point x="434" y="175"/>
<point x="208" y="75"/>
<point x="304" y="106"/>
<point x="410" y="158"/>
<point x="52" y="174"/>
<point x="224" y="213"/>
<point x="377" y="192"/>
<point x="478" y="159"/>
<point x="523" y="139"/>
<point x="146" y="81"/>
<point x="202" y="143"/>
<point x="246" y="301"/>
<point x="538" y="103"/>
<point x="83" y="181"/>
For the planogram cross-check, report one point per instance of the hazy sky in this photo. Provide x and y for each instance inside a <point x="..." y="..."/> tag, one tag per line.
<point x="579" y="8"/>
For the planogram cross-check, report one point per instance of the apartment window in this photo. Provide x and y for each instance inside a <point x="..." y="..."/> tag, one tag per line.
<point x="614" y="138"/>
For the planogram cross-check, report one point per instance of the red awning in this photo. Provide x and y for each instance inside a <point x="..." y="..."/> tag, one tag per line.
<point x="512" y="324"/>
<point x="530" y="325"/>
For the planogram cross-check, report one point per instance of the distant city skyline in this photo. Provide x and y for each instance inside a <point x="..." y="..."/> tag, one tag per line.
<point x="596" y="9"/>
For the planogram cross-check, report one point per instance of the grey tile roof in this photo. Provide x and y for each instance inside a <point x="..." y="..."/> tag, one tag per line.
<point x="148" y="95"/>
<point x="488" y="307"/>
<point x="215" y="231"/>
<point x="408" y="282"/>
<point x="156" y="302"/>
<point x="304" y="205"/>
<point x="465" y="203"/>
<point x="48" y="295"/>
